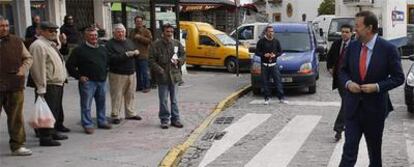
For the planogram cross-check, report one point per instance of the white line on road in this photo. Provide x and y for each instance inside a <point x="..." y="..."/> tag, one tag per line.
<point x="312" y="103"/>
<point x="234" y="133"/>
<point x="409" y="141"/>
<point x="283" y="147"/>
<point x="362" y="160"/>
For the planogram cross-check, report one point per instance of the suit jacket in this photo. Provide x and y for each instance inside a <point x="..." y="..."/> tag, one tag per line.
<point x="332" y="61"/>
<point x="384" y="69"/>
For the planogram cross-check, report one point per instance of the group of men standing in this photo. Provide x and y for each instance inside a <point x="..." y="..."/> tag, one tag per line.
<point x="90" y="63"/>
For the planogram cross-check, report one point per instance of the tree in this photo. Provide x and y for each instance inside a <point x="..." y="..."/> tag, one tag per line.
<point x="327" y="7"/>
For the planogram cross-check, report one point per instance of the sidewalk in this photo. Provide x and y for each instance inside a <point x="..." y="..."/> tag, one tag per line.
<point x="132" y="143"/>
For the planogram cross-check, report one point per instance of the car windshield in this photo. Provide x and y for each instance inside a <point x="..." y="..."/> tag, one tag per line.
<point x="225" y="39"/>
<point x="294" y="41"/>
<point x="336" y="24"/>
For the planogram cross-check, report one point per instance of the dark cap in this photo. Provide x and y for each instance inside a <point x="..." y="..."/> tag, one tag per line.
<point x="48" y="25"/>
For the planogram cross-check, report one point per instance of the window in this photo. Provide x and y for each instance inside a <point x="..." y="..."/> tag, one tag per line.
<point x="246" y="33"/>
<point x="205" y="40"/>
<point x="410" y="14"/>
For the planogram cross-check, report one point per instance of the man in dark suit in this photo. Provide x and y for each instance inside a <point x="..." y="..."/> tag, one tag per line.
<point x="335" y="59"/>
<point x="371" y="68"/>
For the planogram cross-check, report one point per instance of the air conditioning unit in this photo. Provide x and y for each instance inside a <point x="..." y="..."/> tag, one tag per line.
<point x="358" y="2"/>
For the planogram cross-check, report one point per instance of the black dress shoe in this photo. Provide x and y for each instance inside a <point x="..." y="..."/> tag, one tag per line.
<point x="58" y="136"/>
<point x="63" y="129"/>
<point x="177" y="124"/>
<point x="338" y="136"/>
<point x="136" y="117"/>
<point x="49" y="143"/>
<point x="116" y="121"/>
<point x="105" y="126"/>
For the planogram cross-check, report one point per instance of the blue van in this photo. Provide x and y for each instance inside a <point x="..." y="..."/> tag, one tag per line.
<point x="299" y="63"/>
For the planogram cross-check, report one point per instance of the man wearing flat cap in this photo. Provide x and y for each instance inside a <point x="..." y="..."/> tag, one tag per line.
<point x="49" y="75"/>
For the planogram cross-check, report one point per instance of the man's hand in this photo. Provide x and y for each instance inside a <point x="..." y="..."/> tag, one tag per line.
<point x="83" y="79"/>
<point x="369" y="88"/>
<point x="63" y="38"/>
<point x="21" y="72"/>
<point x="266" y="55"/>
<point x="272" y="55"/>
<point x="354" y="87"/>
<point x="132" y="53"/>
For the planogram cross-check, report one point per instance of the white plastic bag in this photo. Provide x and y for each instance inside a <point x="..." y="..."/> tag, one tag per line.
<point x="42" y="116"/>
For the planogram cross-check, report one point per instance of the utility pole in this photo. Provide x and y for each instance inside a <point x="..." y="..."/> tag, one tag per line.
<point x="237" y="37"/>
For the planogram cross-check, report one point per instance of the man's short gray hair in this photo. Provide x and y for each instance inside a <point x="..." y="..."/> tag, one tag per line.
<point x="2" y="18"/>
<point x="119" y="26"/>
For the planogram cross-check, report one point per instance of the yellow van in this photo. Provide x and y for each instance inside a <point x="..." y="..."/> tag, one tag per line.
<point x="206" y="46"/>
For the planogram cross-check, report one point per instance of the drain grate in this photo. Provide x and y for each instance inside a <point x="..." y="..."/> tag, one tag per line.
<point x="224" y="120"/>
<point x="213" y="135"/>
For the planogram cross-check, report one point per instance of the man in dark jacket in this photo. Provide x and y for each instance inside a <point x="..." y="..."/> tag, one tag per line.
<point x="268" y="48"/>
<point x="122" y="80"/>
<point x="166" y="58"/>
<point x="88" y="63"/>
<point x="31" y="30"/>
<point x="335" y="59"/>
<point x="13" y="66"/>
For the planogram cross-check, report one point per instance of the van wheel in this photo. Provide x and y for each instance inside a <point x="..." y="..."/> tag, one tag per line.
<point x="231" y="64"/>
<point x="196" y="66"/>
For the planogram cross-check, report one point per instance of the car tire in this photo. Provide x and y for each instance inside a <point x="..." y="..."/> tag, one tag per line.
<point x="256" y="91"/>
<point x="312" y="89"/>
<point x="410" y="108"/>
<point x="231" y="64"/>
<point x="196" y="66"/>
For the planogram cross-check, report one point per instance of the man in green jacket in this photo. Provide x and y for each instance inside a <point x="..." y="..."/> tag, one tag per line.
<point x="166" y="58"/>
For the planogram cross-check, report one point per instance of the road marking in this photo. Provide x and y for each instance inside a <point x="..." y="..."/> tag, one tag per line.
<point x="362" y="160"/>
<point x="283" y="147"/>
<point x="234" y="133"/>
<point x="311" y="103"/>
<point x="409" y="142"/>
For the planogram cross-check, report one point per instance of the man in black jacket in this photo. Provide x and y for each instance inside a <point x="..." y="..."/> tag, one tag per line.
<point x="335" y="57"/>
<point x="122" y="80"/>
<point x="89" y="63"/>
<point x="268" y="48"/>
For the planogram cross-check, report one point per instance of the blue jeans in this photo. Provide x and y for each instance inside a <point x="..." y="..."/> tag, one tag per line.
<point x="141" y="66"/>
<point x="88" y="91"/>
<point x="164" y="91"/>
<point x="272" y="72"/>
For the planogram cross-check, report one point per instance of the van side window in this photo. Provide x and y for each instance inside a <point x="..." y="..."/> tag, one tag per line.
<point x="205" y="40"/>
<point x="246" y="33"/>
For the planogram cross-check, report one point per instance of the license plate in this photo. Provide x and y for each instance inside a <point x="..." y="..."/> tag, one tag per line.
<point x="287" y="79"/>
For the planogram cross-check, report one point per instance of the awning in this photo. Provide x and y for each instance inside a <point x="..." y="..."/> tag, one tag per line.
<point x="117" y="7"/>
<point x="198" y="7"/>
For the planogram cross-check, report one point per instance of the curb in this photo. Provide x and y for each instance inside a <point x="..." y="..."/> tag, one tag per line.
<point x="174" y="155"/>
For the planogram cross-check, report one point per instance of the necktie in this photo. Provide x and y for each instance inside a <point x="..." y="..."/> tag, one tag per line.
<point x="363" y="62"/>
<point x="341" y="55"/>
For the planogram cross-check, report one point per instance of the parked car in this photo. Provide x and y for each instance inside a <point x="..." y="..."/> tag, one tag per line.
<point x="408" y="49"/>
<point x="409" y="87"/>
<point x="298" y="63"/>
<point x="206" y="46"/>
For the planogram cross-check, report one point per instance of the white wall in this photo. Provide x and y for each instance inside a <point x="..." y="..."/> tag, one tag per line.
<point x="308" y="7"/>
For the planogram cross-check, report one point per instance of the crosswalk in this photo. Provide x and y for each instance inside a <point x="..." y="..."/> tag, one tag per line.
<point x="285" y="145"/>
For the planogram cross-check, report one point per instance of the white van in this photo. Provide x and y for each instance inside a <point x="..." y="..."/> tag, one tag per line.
<point x="249" y="34"/>
<point x="321" y="23"/>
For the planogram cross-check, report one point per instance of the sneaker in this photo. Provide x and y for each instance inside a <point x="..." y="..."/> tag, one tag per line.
<point x="136" y="117"/>
<point x="266" y="101"/>
<point x="22" y="151"/>
<point x="164" y="125"/>
<point x="283" y="101"/>
<point x="177" y="124"/>
<point x="146" y="90"/>
<point x="88" y="131"/>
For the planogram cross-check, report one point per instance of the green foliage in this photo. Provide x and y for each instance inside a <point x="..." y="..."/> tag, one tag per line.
<point x="327" y="7"/>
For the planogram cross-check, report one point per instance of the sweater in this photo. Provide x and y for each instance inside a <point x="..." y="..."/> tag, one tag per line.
<point x="119" y="62"/>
